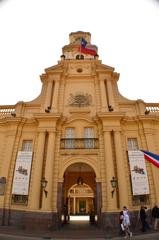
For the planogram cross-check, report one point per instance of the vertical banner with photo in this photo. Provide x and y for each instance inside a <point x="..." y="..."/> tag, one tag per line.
<point x="22" y="173"/>
<point x="138" y="172"/>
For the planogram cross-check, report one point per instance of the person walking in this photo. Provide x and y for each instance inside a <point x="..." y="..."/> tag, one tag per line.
<point x="155" y="216"/>
<point x="126" y="223"/>
<point x="121" y="226"/>
<point x="143" y="216"/>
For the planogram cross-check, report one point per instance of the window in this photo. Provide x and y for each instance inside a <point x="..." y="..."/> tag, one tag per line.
<point x="27" y="145"/>
<point x="69" y="135"/>
<point x="140" y="199"/>
<point x="79" y="57"/>
<point x="132" y="144"/>
<point x="89" y="137"/>
<point x="20" y="199"/>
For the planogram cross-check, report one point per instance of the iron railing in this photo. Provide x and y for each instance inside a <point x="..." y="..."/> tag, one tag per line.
<point x="79" y="143"/>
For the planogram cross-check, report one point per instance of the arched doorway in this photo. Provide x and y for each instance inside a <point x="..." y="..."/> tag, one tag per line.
<point x="80" y="199"/>
<point x="79" y="192"/>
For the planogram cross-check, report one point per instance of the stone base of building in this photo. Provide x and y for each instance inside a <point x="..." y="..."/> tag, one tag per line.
<point x="29" y="220"/>
<point x="108" y="221"/>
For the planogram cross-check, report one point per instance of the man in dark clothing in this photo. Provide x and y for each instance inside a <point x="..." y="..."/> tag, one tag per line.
<point x="155" y="215"/>
<point x="143" y="216"/>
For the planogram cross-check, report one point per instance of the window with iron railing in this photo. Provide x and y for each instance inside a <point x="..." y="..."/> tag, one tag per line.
<point x="70" y="142"/>
<point x="19" y="199"/>
<point x="79" y="143"/>
<point x="140" y="200"/>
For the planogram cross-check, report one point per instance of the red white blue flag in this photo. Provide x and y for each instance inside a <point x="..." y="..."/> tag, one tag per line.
<point x="151" y="157"/>
<point x="87" y="49"/>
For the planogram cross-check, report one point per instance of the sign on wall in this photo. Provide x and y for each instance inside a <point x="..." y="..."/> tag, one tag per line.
<point x="138" y="172"/>
<point x="22" y="173"/>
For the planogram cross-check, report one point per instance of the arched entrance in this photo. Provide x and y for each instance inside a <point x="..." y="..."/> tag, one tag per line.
<point x="80" y="199"/>
<point x="80" y="193"/>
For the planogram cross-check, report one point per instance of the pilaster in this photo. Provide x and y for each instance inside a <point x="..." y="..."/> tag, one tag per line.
<point x="46" y="203"/>
<point x="36" y="185"/>
<point x="121" y="177"/>
<point x="111" y="201"/>
<point x="55" y="96"/>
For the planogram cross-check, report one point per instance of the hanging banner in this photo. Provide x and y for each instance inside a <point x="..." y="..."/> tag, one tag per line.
<point x="22" y="173"/>
<point x="138" y="172"/>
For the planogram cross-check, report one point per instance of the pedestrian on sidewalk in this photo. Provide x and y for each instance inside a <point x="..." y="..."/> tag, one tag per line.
<point x="155" y="216"/>
<point x="121" y="226"/>
<point x="143" y="218"/>
<point x="126" y="222"/>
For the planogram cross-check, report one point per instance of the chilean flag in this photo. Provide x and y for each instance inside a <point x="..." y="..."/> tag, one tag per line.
<point x="85" y="49"/>
<point x="151" y="157"/>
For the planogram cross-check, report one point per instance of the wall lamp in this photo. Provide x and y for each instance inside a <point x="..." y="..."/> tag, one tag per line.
<point x="80" y="179"/>
<point x="110" y="108"/>
<point x="43" y="185"/>
<point x="113" y="182"/>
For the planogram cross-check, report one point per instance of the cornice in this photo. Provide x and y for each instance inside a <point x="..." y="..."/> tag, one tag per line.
<point x="111" y="115"/>
<point x="49" y="116"/>
<point x="12" y="120"/>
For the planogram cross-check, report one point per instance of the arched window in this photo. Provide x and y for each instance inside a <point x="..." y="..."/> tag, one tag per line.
<point x="79" y="57"/>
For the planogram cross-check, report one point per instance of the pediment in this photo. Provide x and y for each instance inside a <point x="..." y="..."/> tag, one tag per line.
<point x="55" y="68"/>
<point x="106" y="68"/>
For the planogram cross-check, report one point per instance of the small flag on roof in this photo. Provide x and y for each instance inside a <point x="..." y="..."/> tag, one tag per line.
<point x="151" y="157"/>
<point x="86" y="48"/>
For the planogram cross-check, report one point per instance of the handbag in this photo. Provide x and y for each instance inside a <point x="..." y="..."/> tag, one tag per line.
<point x="122" y="226"/>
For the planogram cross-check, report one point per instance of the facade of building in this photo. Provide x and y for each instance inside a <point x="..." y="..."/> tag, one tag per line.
<point x="69" y="150"/>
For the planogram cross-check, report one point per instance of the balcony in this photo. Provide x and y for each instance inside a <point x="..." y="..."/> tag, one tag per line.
<point x="79" y="143"/>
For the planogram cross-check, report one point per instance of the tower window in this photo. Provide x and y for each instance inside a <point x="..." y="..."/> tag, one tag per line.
<point x="79" y="57"/>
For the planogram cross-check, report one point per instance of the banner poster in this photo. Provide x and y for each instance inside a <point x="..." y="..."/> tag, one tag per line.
<point x="22" y="173"/>
<point x="138" y="172"/>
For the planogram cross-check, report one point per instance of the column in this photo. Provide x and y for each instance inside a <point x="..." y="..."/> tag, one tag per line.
<point x="103" y="96"/>
<point x="60" y="203"/>
<point x="55" y="96"/>
<point x="74" y="205"/>
<point x="111" y="201"/>
<point x="98" y="204"/>
<point x="110" y="93"/>
<point x="46" y="201"/>
<point x="151" y="148"/>
<point x="36" y="185"/>
<point x="48" y="94"/>
<point x="121" y="177"/>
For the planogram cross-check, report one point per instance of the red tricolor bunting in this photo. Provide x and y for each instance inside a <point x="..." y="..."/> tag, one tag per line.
<point x="85" y="48"/>
<point x="151" y="157"/>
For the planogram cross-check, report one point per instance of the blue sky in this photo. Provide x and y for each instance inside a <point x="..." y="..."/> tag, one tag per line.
<point x="33" y="33"/>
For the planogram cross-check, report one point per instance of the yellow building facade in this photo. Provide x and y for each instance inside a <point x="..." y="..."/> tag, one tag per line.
<point x="67" y="150"/>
